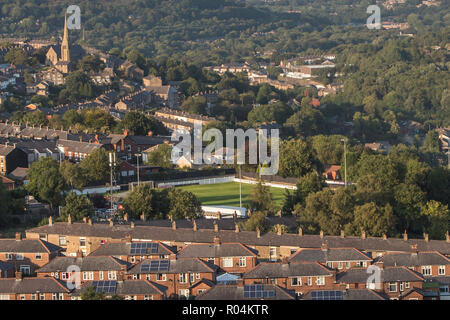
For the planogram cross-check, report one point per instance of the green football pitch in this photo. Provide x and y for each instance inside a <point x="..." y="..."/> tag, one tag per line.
<point x="227" y="194"/>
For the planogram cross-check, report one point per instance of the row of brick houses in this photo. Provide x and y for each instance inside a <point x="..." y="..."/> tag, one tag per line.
<point x="166" y="261"/>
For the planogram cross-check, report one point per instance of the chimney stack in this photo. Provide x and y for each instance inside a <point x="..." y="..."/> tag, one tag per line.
<point x="285" y="260"/>
<point x="447" y="237"/>
<point x="79" y="254"/>
<point x="236" y="228"/>
<point x="216" y="240"/>
<point x="384" y="236"/>
<point x="128" y="238"/>
<point x="321" y="234"/>
<point x="50" y="221"/>
<point x="258" y="232"/>
<point x="143" y="216"/>
<point x="300" y="231"/>
<point x="235" y="215"/>
<point x="132" y="224"/>
<point x="342" y="234"/>
<point x="324" y="247"/>
<point x="111" y="222"/>
<point x="174" y="225"/>
<point x="89" y="221"/>
<point x="405" y="236"/>
<point x="216" y="227"/>
<point x="125" y="216"/>
<point x="279" y="229"/>
<point x="219" y="215"/>
<point x="363" y="234"/>
<point x="18" y="276"/>
<point x="194" y="225"/>
<point x="84" y="219"/>
<point x="414" y="249"/>
<point x="69" y="219"/>
<point x="425" y="235"/>
<point x="18" y="236"/>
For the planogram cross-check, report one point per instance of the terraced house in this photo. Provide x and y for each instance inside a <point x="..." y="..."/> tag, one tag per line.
<point x="177" y="275"/>
<point x="26" y="255"/>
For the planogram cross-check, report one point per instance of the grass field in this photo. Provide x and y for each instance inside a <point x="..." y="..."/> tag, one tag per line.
<point x="227" y="194"/>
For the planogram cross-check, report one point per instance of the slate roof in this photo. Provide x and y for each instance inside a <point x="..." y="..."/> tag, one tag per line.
<point x="216" y="251"/>
<point x="282" y="270"/>
<point x="149" y="232"/>
<point x="5" y="150"/>
<point x="123" y="249"/>
<point x="332" y="254"/>
<point x="78" y="146"/>
<point x="360" y="275"/>
<point x="5" y="266"/>
<point x="149" y="140"/>
<point x="354" y="294"/>
<point x="27" y="246"/>
<point x="88" y="263"/>
<point x="128" y="287"/>
<point x="235" y="292"/>
<point x="177" y="266"/>
<point x="32" y="285"/>
<point x="414" y="259"/>
<point x="19" y="173"/>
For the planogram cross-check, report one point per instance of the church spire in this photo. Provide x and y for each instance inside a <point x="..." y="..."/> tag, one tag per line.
<point x="65" y="55"/>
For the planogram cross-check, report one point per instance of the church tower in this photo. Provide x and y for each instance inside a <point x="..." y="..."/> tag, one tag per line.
<point x="65" y="55"/>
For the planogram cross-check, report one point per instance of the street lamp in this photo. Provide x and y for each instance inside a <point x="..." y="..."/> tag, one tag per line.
<point x="137" y="159"/>
<point x="345" y="159"/>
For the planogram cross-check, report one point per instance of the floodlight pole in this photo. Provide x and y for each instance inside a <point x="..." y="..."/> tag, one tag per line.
<point x="345" y="160"/>
<point x="240" y="187"/>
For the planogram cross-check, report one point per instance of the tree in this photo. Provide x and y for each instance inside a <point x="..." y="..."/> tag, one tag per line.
<point x="138" y="124"/>
<point x="306" y="122"/>
<point x="91" y="294"/>
<point x="308" y="183"/>
<point x="72" y="174"/>
<point x="160" y="156"/>
<point x="143" y="199"/>
<point x="431" y="142"/>
<point x="296" y="158"/>
<point x="46" y="183"/>
<point x="438" y="216"/>
<point x="257" y="220"/>
<point x="196" y="105"/>
<point x="5" y="201"/>
<point x="184" y="204"/>
<point x="261" y="199"/>
<point x="96" y="166"/>
<point x="78" y="206"/>
<point x="373" y="219"/>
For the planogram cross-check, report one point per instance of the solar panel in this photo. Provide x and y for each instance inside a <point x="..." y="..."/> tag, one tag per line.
<point x="326" y="295"/>
<point x="257" y="291"/>
<point x="139" y="248"/>
<point x="105" y="286"/>
<point x="155" y="265"/>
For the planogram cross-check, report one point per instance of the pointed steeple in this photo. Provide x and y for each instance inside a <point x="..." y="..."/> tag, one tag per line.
<point x="65" y="55"/>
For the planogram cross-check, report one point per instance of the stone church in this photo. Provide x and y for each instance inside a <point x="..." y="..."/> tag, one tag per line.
<point x="62" y="55"/>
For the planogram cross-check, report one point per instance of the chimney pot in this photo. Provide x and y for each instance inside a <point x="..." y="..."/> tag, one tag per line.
<point x="300" y="232"/>
<point x="342" y="234"/>
<point x="174" y="225"/>
<point x="143" y="216"/>
<point x="363" y="234"/>
<point x="258" y="233"/>
<point x="405" y="236"/>
<point x="384" y="236"/>
<point x="425" y="235"/>
<point x="50" y="221"/>
<point x="236" y="228"/>
<point x="69" y="219"/>
<point x="18" y="236"/>
<point x="321" y="234"/>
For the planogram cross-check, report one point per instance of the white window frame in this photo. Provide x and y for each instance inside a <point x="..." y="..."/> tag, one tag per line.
<point x="227" y="262"/>
<point x="88" y="275"/>
<point x="19" y="256"/>
<point x="161" y="277"/>
<point x="392" y="284"/>
<point x="62" y="240"/>
<point x="112" y="275"/>
<point x="298" y="281"/>
<point x="320" y="281"/>
<point x="309" y="281"/>
<point x="441" y="270"/>
<point x="427" y="270"/>
<point x="242" y="262"/>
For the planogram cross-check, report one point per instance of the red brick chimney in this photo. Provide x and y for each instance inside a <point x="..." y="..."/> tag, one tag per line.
<point x="125" y="132"/>
<point x="18" y="236"/>
<point x="150" y="133"/>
